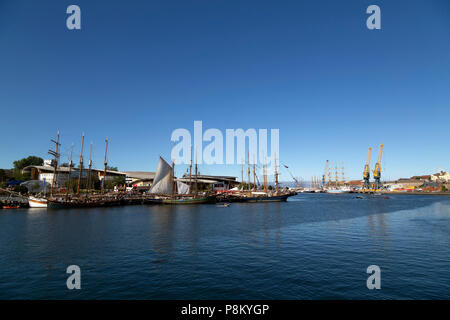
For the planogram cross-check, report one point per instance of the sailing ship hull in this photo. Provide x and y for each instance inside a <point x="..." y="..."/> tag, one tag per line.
<point x="336" y="191"/>
<point x="152" y="201"/>
<point x="280" y="198"/>
<point x="37" y="202"/>
<point x="209" y="199"/>
<point x="266" y="198"/>
<point x="68" y="205"/>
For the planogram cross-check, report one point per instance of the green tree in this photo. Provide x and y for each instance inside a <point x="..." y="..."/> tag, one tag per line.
<point x="3" y="175"/>
<point x="112" y="168"/>
<point x="20" y="189"/>
<point x="244" y="186"/>
<point x="114" y="182"/>
<point x="25" y="162"/>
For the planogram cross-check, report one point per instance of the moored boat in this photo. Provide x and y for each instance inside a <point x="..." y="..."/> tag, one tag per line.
<point x="268" y="198"/>
<point x="190" y="200"/>
<point x="35" y="202"/>
<point x="260" y="197"/>
<point x="169" y="191"/>
<point x="81" y="203"/>
<point x="338" y="190"/>
<point x="11" y="207"/>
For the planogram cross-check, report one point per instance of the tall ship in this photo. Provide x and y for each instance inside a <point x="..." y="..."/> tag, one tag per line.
<point x="335" y="186"/>
<point x="264" y="195"/>
<point x="78" y="200"/>
<point x="167" y="190"/>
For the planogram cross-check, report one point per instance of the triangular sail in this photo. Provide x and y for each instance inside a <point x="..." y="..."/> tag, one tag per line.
<point x="163" y="182"/>
<point x="183" y="188"/>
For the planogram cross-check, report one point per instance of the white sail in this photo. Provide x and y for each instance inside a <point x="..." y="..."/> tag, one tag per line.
<point x="183" y="188"/>
<point x="162" y="184"/>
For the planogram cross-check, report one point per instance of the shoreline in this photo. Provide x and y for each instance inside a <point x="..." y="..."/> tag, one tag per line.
<point x="418" y="193"/>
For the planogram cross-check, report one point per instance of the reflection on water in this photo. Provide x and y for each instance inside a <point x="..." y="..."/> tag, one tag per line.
<point x="313" y="246"/>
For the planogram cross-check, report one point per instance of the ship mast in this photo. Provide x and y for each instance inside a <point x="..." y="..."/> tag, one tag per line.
<point x="81" y="165"/>
<point x="242" y="173"/>
<point x="254" y="174"/>
<point x="106" y="164"/>
<point x="248" y="159"/>
<point x="89" y="171"/>
<point x="336" y="173"/>
<point x="173" y="178"/>
<point x="196" y="173"/>
<point x="55" y="162"/>
<point x="70" y="171"/>
<point x="265" y="173"/>
<point x="276" y="176"/>
<point x="330" y="180"/>
<point x="190" y="174"/>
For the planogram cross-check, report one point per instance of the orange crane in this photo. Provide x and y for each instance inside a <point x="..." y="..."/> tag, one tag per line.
<point x="377" y="170"/>
<point x="366" y="173"/>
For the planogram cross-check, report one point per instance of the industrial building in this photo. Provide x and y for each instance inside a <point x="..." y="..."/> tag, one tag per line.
<point x="46" y="172"/>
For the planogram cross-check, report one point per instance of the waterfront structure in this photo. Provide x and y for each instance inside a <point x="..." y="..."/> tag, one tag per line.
<point x="63" y="173"/>
<point x="440" y="177"/>
<point x="404" y="185"/>
<point x="216" y="183"/>
<point x="139" y="179"/>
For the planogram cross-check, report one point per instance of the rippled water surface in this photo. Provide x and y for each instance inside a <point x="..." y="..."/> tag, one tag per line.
<point x="311" y="247"/>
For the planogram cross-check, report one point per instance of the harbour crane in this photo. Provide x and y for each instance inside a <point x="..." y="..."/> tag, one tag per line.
<point x="324" y="176"/>
<point x="366" y="173"/>
<point x="297" y="184"/>
<point x="377" y="170"/>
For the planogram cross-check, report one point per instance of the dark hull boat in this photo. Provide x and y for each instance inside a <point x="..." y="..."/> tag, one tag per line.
<point x="279" y="198"/>
<point x="62" y="204"/>
<point x="152" y="201"/>
<point x="169" y="191"/>
<point x="190" y="200"/>
<point x="261" y="198"/>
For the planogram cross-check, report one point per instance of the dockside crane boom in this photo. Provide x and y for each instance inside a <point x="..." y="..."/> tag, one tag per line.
<point x="377" y="170"/>
<point x="366" y="173"/>
<point x="297" y="183"/>
<point x="324" y="176"/>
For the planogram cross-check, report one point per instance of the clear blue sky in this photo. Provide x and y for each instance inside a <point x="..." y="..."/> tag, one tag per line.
<point x="140" y="69"/>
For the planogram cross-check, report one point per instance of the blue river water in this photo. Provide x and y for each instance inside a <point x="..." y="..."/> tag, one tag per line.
<point x="315" y="246"/>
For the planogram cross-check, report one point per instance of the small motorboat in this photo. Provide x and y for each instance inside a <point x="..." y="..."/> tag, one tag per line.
<point x="11" y="207"/>
<point x="224" y="205"/>
<point x="35" y="202"/>
<point x="359" y="197"/>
